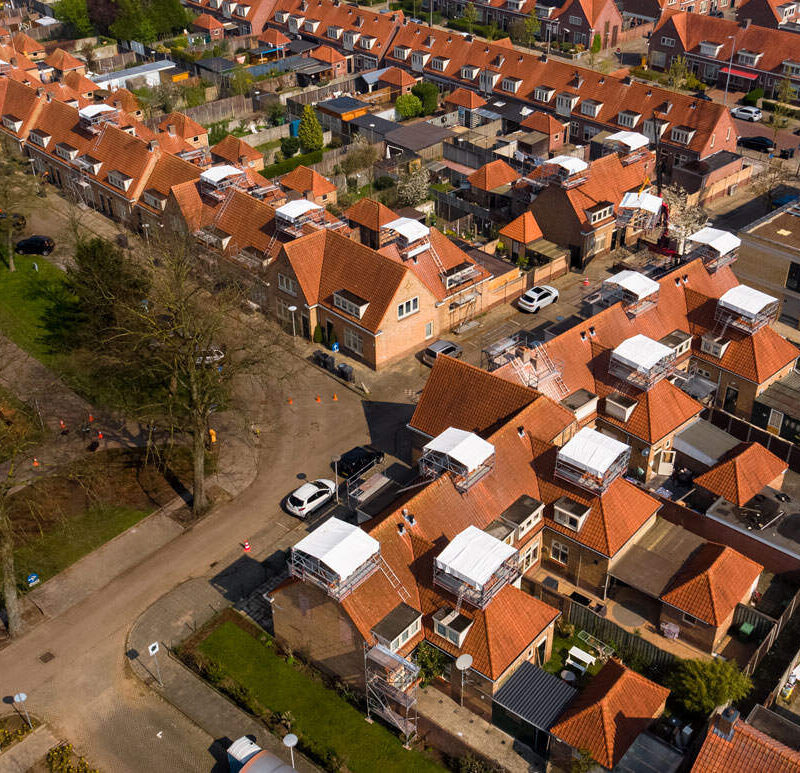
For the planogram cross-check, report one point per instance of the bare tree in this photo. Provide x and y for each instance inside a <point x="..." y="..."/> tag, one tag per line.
<point x="766" y="184"/>
<point x="685" y="218"/>
<point x="17" y="191"/>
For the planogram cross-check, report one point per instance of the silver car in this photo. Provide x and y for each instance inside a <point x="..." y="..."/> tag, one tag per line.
<point x="441" y="347"/>
<point x="747" y="113"/>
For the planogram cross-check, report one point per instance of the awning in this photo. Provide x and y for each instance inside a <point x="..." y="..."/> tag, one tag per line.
<point x="739" y="73"/>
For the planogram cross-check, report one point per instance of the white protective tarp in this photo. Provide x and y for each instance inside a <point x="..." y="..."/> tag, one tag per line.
<point x="464" y="447"/>
<point x="411" y="230"/>
<point x="570" y="163"/>
<point x="591" y="451"/>
<point x="296" y="208"/>
<point x="641" y="353"/>
<point x="216" y="174"/>
<point x="722" y="241"/>
<point x="634" y="282"/>
<point x="341" y="546"/>
<point x="745" y="300"/>
<point x="645" y="201"/>
<point x="632" y="140"/>
<point x="473" y="556"/>
<point x="92" y="111"/>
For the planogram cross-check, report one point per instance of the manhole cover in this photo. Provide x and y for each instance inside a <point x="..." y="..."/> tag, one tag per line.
<point x="46" y="657"/>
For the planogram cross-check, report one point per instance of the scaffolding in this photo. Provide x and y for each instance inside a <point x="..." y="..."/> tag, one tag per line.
<point x="291" y="218"/>
<point x="391" y="688"/>
<point x="639" y="211"/>
<point x="93" y="118"/>
<point x="592" y="461"/>
<point x="196" y="156"/>
<point x="634" y="290"/>
<point x="467" y="456"/>
<point x="714" y="247"/>
<point x="217" y="181"/>
<point x="565" y="171"/>
<point x="641" y="361"/>
<point x="746" y="309"/>
<point x="537" y="369"/>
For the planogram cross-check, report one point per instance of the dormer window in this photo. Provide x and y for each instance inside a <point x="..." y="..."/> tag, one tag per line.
<point x="715" y="346"/>
<point x="120" y="180"/>
<point x="570" y="513"/>
<point x="67" y="152"/>
<point x="89" y="164"/>
<point x="334" y="32"/>
<point x="511" y="84"/>
<point x="419" y="59"/>
<point x="598" y="215"/>
<point x="242" y="11"/>
<point x="682" y="134"/>
<point x="350" y="38"/>
<point x="749" y="58"/>
<point x="350" y="303"/>
<point x="295" y="23"/>
<point x="543" y="93"/>
<point x="155" y="200"/>
<point x="439" y="63"/>
<point x="12" y="122"/>
<point x="628" y="119"/>
<point x="310" y="25"/>
<point x="565" y="102"/>
<point x="488" y="79"/>
<point x="368" y="41"/>
<point x="39" y="137"/>
<point x="401" y="52"/>
<point x="281" y="16"/>
<point x="708" y="48"/>
<point x="789" y="68"/>
<point x="451" y="625"/>
<point x="590" y="107"/>
<point x="469" y="72"/>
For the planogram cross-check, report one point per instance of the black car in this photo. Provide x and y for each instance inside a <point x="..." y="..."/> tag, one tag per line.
<point x="35" y="245"/>
<point x="358" y="458"/>
<point x="18" y="221"/>
<point x="764" y="144"/>
<point x="702" y="95"/>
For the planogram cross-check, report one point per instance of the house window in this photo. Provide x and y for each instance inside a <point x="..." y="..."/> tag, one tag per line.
<point x="689" y="619"/>
<point x="353" y="341"/>
<point x="589" y="132"/>
<point x="628" y="119"/>
<point x="429" y="330"/>
<point x="601" y="214"/>
<point x="543" y="94"/>
<point x="287" y="284"/>
<point x="748" y="59"/>
<point x="575" y="21"/>
<point x="668" y="42"/>
<point x="559" y="552"/>
<point x="529" y="523"/>
<point x="682" y="135"/>
<point x="407" y="308"/>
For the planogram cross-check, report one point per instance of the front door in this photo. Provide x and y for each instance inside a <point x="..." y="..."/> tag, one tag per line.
<point x="328" y="330"/>
<point x="306" y="327"/>
<point x="731" y="398"/>
<point x="665" y="463"/>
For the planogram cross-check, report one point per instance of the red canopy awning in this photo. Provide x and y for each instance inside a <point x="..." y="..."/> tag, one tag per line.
<point x="738" y="73"/>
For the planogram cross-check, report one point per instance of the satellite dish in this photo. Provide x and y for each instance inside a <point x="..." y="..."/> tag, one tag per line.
<point x="463" y="662"/>
<point x="645" y="452"/>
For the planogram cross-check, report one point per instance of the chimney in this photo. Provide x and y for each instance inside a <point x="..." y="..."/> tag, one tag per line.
<point x="152" y="145"/>
<point x="543" y="57"/>
<point x="409" y="518"/>
<point x="48" y="97"/>
<point x="726" y="723"/>
<point x="747" y="23"/>
<point x="521" y="432"/>
<point x="40" y="92"/>
<point x="171" y="129"/>
<point x="401" y="529"/>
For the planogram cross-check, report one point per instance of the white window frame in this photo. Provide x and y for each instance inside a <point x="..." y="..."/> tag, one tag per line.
<point x="353" y="341"/>
<point x="668" y="42"/>
<point x="576" y="21"/>
<point x="287" y="284"/>
<point x="429" y="329"/>
<point x="408" y="307"/>
<point x="559" y="549"/>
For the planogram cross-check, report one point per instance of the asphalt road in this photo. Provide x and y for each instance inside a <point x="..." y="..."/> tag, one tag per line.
<point x="85" y="691"/>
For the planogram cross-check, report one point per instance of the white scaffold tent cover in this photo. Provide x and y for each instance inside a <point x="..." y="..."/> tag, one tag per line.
<point x="745" y="300"/>
<point x="296" y="208"/>
<point x="464" y="447"/>
<point x="646" y="201"/>
<point x="634" y="282"/>
<point x="92" y="111"/>
<point x="722" y="241"/>
<point x="341" y="546"/>
<point x="218" y="173"/>
<point x="570" y="163"/>
<point x="473" y="556"/>
<point x="632" y="140"/>
<point x="592" y="451"/>
<point x="641" y="352"/>
<point x="411" y="230"/>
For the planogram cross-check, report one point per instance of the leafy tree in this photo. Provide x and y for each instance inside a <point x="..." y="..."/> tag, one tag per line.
<point x="240" y="81"/>
<point x="17" y="191"/>
<point x="470" y="16"/>
<point x="75" y="15"/>
<point x="532" y="27"/>
<point x="408" y="106"/>
<point x="431" y="662"/>
<point x="703" y="685"/>
<point x="362" y="155"/>
<point x="779" y="116"/>
<point x="289" y="146"/>
<point x="594" y="49"/>
<point x="678" y="70"/>
<point x="310" y="131"/>
<point x="412" y="188"/>
<point x="276" y="112"/>
<point x="428" y="95"/>
<point x="583" y="763"/>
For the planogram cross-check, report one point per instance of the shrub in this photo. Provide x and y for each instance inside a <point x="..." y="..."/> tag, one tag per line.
<point x="428" y="95"/>
<point x="408" y="106"/>
<point x="701" y="686"/>
<point x="310" y="131"/>
<point x="282" y="167"/>
<point x="752" y="96"/>
<point x="383" y="182"/>
<point x="289" y="146"/>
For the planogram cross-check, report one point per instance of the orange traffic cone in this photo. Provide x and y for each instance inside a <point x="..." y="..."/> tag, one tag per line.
<point x="318" y="399"/>
<point x="335" y="398"/>
<point x="291" y="402"/>
<point x="99" y="435"/>
<point x="35" y="462"/>
<point x="246" y="546"/>
<point x="91" y="418"/>
<point x="585" y="281"/>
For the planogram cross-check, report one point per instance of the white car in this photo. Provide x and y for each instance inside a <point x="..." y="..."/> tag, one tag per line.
<point x="537" y="298"/>
<point x="747" y="113"/>
<point x="310" y="496"/>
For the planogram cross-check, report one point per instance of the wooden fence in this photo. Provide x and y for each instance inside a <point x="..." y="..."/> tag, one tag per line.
<point x="771" y="635"/>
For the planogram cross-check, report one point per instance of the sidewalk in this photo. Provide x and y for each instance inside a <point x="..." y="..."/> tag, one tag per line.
<point x="25" y="754"/>
<point x="170" y="620"/>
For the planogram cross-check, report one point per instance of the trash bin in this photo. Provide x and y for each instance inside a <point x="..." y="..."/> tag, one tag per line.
<point x="345" y="372"/>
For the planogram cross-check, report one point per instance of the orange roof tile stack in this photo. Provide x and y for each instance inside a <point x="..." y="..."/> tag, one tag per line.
<point x="610" y="713"/>
<point x="711" y="583"/>
<point x="739" y="478"/>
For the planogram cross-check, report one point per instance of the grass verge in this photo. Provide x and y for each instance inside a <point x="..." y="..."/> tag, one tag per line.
<point x="321" y="715"/>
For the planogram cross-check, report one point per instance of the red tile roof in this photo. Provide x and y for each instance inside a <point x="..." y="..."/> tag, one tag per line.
<point x="712" y="582"/>
<point x="542" y="122"/>
<point x="370" y="213"/>
<point x="748" y="749"/>
<point x="523" y="229"/>
<point x="232" y="149"/>
<point x="304" y="180"/>
<point x="124" y="100"/>
<point x="327" y="54"/>
<point x="183" y="126"/>
<point x="206" y="22"/>
<point x="607" y="717"/>
<point x="465" y="98"/>
<point x="493" y="175"/>
<point x="63" y="61"/>
<point x="394" y="76"/>
<point x="80" y="83"/>
<point x="739" y="478"/>
<point x="26" y="44"/>
<point x="273" y="37"/>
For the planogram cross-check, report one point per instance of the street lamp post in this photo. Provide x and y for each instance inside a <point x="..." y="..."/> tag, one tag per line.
<point x="336" y="460"/>
<point x="20" y="698"/>
<point x="290" y="741"/>
<point x="730" y="64"/>
<point x="293" y="309"/>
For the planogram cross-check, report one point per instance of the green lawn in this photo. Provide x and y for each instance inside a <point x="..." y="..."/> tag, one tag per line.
<point x="19" y="311"/>
<point x="320" y="714"/>
<point x="59" y="547"/>
<point x="560" y="648"/>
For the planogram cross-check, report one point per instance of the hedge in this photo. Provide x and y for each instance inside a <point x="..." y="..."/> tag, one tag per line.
<point x="288" y="164"/>
<point x="769" y="104"/>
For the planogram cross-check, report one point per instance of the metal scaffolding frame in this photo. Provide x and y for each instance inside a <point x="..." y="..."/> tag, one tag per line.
<point x="433" y="463"/>
<point x="641" y="379"/>
<point x="391" y="688"/>
<point x="608" y="294"/>
<point x="310" y="569"/>
<point x="712" y="259"/>
<point x="588" y="480"/>
<point x="506" y="573"/>
<point x="747" y="324"/>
